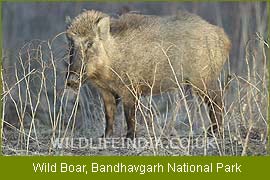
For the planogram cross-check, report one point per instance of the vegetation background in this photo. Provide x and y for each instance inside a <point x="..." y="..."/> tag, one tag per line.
<point x="37" y="107"/>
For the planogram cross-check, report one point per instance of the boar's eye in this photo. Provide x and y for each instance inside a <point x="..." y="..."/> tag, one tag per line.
<point x="89" y="44"/>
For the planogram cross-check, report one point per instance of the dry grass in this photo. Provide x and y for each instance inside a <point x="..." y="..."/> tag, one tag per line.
<point x="44" y="110"/>
<point x="38" y="109"/>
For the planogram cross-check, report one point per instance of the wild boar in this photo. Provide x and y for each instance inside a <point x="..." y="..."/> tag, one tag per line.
<point x="142" y="54"/>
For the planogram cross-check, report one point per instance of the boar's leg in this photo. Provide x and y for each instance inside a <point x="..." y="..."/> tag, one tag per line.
<point x="215" y="105"/>
<point x="130" y="114"/>
<point x="129" y="110"/>
<point x="110" y="109"/>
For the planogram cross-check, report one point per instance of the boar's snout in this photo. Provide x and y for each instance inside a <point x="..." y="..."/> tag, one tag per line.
<point x="73" y="81"/>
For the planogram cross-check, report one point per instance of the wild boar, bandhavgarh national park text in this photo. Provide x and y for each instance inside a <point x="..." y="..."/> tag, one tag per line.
<point x="144" y="54"/>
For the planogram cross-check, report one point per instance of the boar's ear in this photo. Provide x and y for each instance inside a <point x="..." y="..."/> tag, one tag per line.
<point x="104" y="28"/>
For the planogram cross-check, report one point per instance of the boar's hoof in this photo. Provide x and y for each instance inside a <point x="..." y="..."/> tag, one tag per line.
<point x="130" y="135"/>
<point x="107" y="135"/>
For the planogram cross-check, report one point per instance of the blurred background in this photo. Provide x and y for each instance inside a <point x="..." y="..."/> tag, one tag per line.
<point x="23" y="22"/>
<point x="245" y="23"/>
